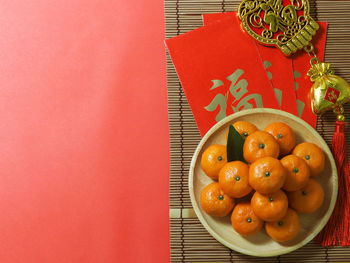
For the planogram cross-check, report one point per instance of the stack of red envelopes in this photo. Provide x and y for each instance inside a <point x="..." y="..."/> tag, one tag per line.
<point x="223" y="70"/>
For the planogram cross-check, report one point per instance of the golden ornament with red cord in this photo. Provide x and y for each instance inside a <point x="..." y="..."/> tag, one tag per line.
<point x="288" y="25"/>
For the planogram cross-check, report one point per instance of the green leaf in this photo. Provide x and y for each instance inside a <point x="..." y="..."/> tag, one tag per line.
<point x="234" y="145"/>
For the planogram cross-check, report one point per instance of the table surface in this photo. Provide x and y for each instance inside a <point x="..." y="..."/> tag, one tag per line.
<point x="189" y="241"/>
<point x="84" y="132"/>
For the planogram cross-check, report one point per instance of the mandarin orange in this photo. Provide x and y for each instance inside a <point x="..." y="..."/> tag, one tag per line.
<point x="213" y="159"/>
<point x="245" y="128"/>
<point x="308" y="199"/>
<point x="284" y="136"/>
<point x="284" y="229"/>
<point x="234" y="179"/>
<point x="313" y="155"/>
<point x="270" y="207"/>
<point x="215" y="202"/>
<point x="298" y="172"/>
<point x="260" y="144"/>
<point x="244" y="220"/>
<point x="267" y="175"/>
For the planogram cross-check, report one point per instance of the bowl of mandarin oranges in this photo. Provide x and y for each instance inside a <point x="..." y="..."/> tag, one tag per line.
<point x="263" y="182"/>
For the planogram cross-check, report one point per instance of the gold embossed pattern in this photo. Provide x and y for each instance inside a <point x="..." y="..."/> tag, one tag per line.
<point x="286" y="24"/>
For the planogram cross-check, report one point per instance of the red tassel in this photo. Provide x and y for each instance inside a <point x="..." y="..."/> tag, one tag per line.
<point x="337" y="230"/>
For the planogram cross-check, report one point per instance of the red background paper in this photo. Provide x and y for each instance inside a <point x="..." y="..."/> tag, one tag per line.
<point x="84" y="132"/>
<point x="301" y="65"/>
<point x="279" y="67"/>
<point x="214" y="53"/>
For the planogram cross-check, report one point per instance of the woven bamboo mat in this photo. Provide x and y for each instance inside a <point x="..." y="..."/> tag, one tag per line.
<point x="189" y="241"/>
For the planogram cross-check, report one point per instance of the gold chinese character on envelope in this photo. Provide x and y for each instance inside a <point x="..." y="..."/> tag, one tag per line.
<point x="239" y="92"/>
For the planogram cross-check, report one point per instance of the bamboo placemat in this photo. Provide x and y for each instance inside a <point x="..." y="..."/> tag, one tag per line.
<point x="189" y="241"/>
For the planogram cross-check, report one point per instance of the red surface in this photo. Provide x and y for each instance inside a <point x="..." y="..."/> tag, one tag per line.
<point x="84" y="132"/>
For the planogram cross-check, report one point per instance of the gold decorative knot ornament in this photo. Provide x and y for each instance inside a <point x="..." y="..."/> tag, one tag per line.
<point x="283" y="23"/>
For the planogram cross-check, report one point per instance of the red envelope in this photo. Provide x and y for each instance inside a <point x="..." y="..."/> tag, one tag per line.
<point x="301" y="65"/>
<point x="214" y="17"/>
<point x="221" y="72"/>
<point x="279" y="67"/>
